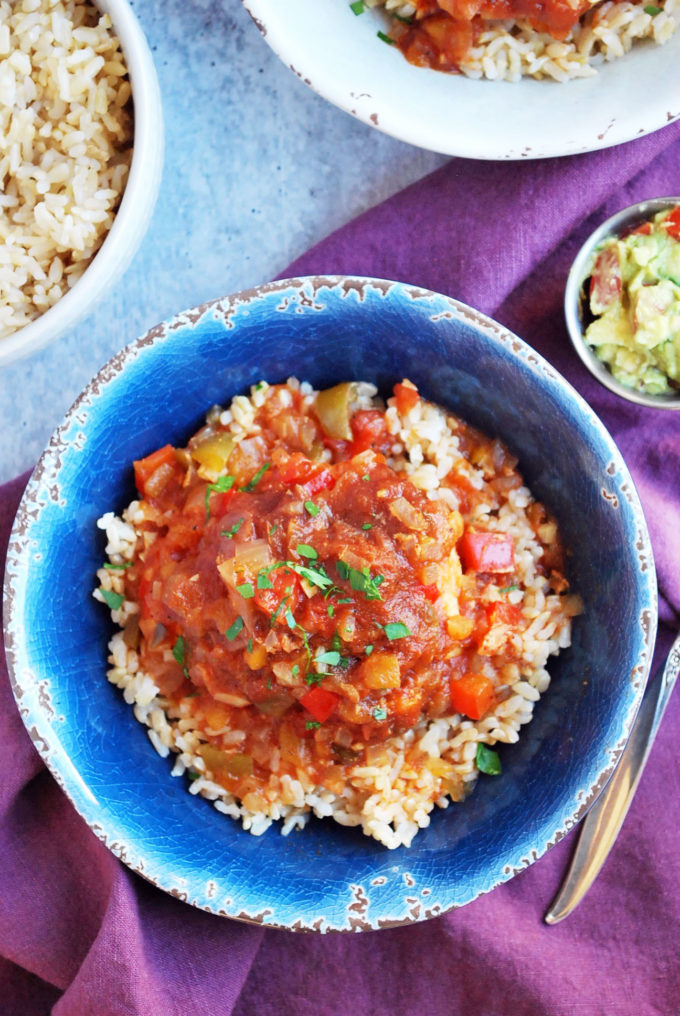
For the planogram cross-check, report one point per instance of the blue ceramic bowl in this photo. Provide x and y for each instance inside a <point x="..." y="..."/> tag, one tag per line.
<point x="158" y="389"/>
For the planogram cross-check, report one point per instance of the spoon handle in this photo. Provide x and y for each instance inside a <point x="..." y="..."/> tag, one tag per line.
<point x="601" y="825"/>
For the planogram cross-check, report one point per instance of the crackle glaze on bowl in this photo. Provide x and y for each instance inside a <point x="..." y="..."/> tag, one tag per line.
<point x="340" y="57"/>
<point x="326" y="878"/>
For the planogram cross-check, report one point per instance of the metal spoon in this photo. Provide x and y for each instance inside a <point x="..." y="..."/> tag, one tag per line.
<point x="601" y="825"/>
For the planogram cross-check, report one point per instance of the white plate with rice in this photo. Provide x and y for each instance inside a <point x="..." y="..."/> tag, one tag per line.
<point x="608" y="85"/>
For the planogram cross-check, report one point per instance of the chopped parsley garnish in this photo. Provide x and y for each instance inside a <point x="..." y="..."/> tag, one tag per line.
<point x="221" y="486"/>
<point x="246" y="590"/>
<point x="290" y="620"/>
<point x="193" y="775"/>
<point x="379" y="713"/>
<point x="385" y="38"/>
<point x="330" y="610"/>
<point x="117" y="567"/>
<point x="312" y="725"/>
<point x="252" y="484"/>
<point x="365" y="477"/>
<point x="114" y="600"/>
<point x="312" y="573"/>
<point x="234" y="529"/>
<point x="304" y="550"/>
<point x="368" y="650"/>
<point x="178" y="650"/>
<point x="396" y="630"/>
<point x="314" y="678"/>
<point x="278" y="610"/>
<point x="487" y="760"/>
<point x="273" y="529"/>
<point x="331" y="657"/>
<point x="652" y="10"/>
<point x="367" y="525"/>
<point x="361" y="581"/>
<point x="263" y="581"/>
<point x="508" y="589"/>
<point x="358" y="7"/>
<point x="311" y="508"/>
<point x="296" y="669"/>
<point x="250" y="645"/>
<point x="336" y="643"/>
<point x="235" y="629"/>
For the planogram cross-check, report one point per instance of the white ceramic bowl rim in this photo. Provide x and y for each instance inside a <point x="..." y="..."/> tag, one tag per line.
<point x="339" y="56"/>
<point x="136" y="208"/>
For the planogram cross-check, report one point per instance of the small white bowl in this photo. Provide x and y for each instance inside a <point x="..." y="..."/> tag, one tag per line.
<point x="139" y="197"/>
<point x="575" y="298"/>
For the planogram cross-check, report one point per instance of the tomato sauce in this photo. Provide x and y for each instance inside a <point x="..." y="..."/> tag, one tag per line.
<point x="441" y="34"/>
<point x="291" y="583"/>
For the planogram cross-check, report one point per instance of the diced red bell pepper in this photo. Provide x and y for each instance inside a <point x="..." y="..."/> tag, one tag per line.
<point x="405" y="397"/>
<point x="672" y="224"/>
<point x="430" y="593"/>
<point x="320" y="703"/>
<point x="270" y="600"/>
<point x="313" y="476"/>
<point x="605" y="282"/>
<point x="472" y="694"/>
<point x="501" y="612"/>
<point x="488" y="552"/>
<point x="369" y="431"/>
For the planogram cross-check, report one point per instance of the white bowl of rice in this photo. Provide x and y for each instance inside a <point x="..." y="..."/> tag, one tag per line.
<point x="520" y="93"/>
<point x="82" y="152"/>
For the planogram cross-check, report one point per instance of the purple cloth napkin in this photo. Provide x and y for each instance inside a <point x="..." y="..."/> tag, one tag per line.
<point x="81" y="935"/>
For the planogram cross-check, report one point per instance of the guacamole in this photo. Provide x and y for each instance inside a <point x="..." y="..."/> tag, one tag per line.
<point x="635" y="304"/>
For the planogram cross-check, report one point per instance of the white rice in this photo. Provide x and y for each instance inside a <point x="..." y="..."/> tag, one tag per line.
<point x="429" y="765"/>
<point x="66" y="136"/>
<point x="511" y="50"/>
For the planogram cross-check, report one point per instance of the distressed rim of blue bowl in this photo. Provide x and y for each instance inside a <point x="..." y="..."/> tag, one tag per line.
<point x="32" y="695"/>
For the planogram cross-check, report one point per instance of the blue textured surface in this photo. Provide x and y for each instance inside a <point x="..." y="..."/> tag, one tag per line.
<point x="327" y="876"/>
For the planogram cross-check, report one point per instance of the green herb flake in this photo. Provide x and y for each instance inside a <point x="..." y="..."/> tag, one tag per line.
<point x="379" y="713"/>
<point x="508" y="589"/>
<point x="273" y="529"/>
<point x="263" y="581"/>
<point x="368" y="650"/>
<point x="311" y="508"/>
<point x="332" y="658"/>
<point x="652" y="10"/>
<point x="234" y="529"/>
<point x="246" y="590"/>
<point x="117" y="567"/>
<point x="358" y="7"/>
<point x="367" y="525"/>
<point x="336" y="643"/>
<point x="193" y="775"/>
<point x="221" y="486"/>
<point x="331" y="610"/>
<point x="312" y="725"/>
<point x="361" y="581"/>
<point x="290" y="620"/>
<point x="396" y="630"/>
<point x="347" y="599"/>
<point x="113" y="600"/>
<point x="296" y="669"/>
<point x="235" y="629"/>
<point x="278" y="610"/>
<point x="487" y="760"/>
<point x="178" y="650"/>
<point x="313" y="678"/>
<point x="252" y="484"/>
<point x="366" y="477"/>
<point x="304" y="550"/>
<point x="250" y="645"/>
